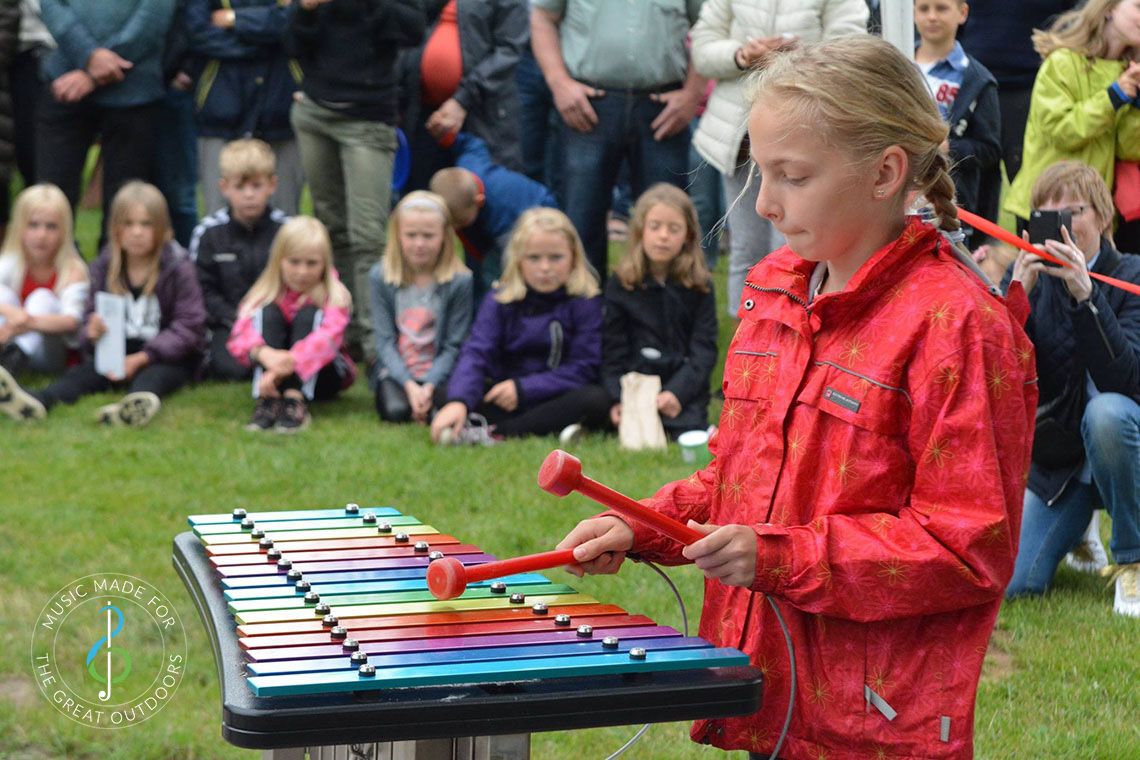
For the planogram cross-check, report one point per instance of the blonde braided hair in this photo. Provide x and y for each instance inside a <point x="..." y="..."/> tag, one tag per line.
<point x="862" y="96"/>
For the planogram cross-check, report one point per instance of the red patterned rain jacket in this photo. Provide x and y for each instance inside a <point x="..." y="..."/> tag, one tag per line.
<point x="877" y="440"/>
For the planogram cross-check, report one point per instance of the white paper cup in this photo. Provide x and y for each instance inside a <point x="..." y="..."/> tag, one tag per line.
<point x="695" y="447"/>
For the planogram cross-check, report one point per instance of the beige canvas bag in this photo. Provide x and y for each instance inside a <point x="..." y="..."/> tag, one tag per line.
<point x="640" y="426"/>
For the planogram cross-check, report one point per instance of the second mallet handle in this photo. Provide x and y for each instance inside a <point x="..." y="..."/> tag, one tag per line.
<point x="561" y="473"/>
<point x="527" y="564"/>
<point x="634" y="510"/>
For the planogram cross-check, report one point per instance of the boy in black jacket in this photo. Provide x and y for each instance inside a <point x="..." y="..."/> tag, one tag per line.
<point x="232" y="245"/>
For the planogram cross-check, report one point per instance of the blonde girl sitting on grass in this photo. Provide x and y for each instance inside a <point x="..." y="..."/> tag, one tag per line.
<point x="290" y="328"/>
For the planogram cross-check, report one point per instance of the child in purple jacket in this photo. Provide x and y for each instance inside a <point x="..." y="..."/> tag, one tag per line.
<point x="164" y="326"/>
<point x="530" y="366"/>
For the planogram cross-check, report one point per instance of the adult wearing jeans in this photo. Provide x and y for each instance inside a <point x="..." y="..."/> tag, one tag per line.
<point x="103" y="80"/>
<point x="540" y="126"/>
<point x="621" y="80"/>
<point x="1087" y="445"/>
<point x="731" y="38"/>
<point x="345" y="121"/>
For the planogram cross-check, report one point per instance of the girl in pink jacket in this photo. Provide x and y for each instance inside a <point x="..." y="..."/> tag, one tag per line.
<point x="870" y="461"/>
<point x="290" y="327"/>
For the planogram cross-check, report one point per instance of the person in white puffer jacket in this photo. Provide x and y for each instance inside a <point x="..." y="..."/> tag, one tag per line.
<point x="730" y="38"/>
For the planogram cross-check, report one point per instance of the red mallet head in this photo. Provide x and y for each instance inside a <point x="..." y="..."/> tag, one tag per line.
<point x="561" y="473"/>
<point x="447" y="578"/>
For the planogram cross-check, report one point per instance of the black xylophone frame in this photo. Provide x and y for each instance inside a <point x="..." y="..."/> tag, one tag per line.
<point x="446" y="712"/>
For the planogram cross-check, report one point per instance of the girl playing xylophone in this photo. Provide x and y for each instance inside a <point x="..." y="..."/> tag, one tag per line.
<point x="421" y="308"/>
<point x="290" y="327"/>
<point x="870" y="462"/>
<point x="163" y="326"/>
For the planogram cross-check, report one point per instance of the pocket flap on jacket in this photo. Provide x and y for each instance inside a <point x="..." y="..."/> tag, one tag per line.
<point x="857" y="399"/>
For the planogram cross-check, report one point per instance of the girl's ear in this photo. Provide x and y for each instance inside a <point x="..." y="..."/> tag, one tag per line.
<point x="890" y="172"/>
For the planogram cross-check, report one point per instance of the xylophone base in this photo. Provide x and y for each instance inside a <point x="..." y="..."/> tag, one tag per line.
<point x="515" y="747"/>
<point x="444" y="712"/>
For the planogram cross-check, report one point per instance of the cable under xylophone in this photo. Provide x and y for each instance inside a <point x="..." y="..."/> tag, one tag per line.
<point x="324" y="632"/>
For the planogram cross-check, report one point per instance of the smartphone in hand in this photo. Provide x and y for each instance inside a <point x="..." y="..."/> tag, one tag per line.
<point x="1046" y="225"/>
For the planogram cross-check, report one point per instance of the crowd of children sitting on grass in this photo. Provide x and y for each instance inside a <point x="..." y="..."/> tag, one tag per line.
<point x="257" y="299"/>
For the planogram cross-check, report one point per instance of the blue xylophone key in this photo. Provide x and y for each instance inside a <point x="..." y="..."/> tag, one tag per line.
<point x="394" y="597"/>
<point x="482" y="672"/>
<point x="481" y="654"/>
<point x="418" y="583"/>
<point x="296" y="514"/>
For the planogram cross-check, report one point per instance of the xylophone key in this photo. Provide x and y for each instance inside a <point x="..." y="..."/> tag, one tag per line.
<point x="253" y="633"/>
<point x="628" y="627"/>
<point x="286" y="590"/>
<point x="482" y="672"/>
<point x="389" y="597"/>
<point x="287" y="647"/>
<point x="654" y="638"/>
<point x="297" y="514"/>
<point x="369" y="610"/>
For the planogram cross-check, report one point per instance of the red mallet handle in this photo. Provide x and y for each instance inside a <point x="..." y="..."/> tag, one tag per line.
<point x="448" y="577"/>
<point x="561" y="473"/>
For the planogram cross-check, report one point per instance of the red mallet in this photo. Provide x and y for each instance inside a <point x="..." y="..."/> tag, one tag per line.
<point x="561" y="473"/>
<point x="448" y="577"/>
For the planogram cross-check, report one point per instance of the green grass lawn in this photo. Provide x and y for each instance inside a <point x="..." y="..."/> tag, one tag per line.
<point x="1061" y="677"/>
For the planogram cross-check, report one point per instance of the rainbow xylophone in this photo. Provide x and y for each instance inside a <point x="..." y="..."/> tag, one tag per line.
<point x="324" y="631"/>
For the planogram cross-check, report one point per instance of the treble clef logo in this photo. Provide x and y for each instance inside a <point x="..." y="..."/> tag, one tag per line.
<point x="106" y="678"/>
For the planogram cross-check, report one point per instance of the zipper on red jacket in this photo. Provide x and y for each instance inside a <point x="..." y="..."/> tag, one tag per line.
<point x="788" y="293"/>
<point x="807" y="310"/>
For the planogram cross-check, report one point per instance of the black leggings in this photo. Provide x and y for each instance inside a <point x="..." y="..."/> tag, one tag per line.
<point x="221" y="365"/>
<point x="589" y="405"/>
<point x="392" y="401"/>
<point x="277" y="332"/>
<point x="159" y="379"/>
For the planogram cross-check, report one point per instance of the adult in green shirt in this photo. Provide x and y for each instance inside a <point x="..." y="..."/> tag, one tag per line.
<point x="621" y="79"/>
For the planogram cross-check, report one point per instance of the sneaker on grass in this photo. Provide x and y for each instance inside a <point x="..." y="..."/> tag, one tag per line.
<point x="571" y="434"/>
<point x="16" y="402"/>
<point x="292" y="416"/>
<point x="134" y="410"/>
<point x="1089" y="555"/>
<point x="265" y="413"/>
<point x="1126" y="578"/>
<point x="475" y="432"/>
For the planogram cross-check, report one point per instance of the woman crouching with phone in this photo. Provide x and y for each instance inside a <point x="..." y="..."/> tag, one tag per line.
<point x="1088" y="361"/>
